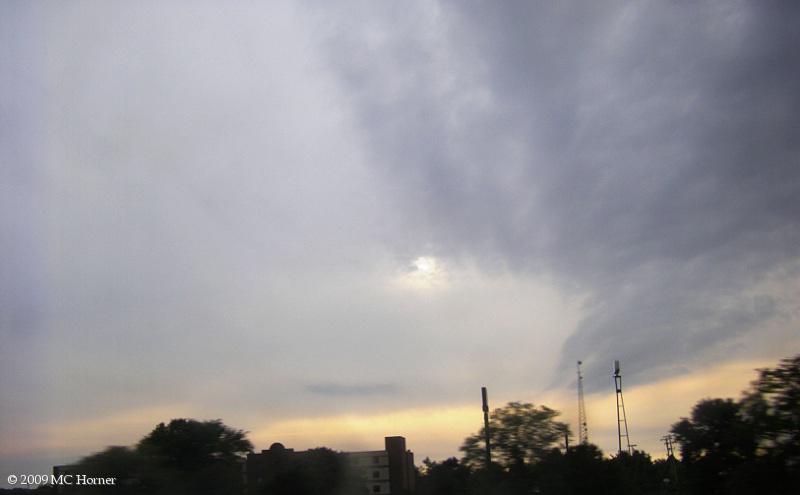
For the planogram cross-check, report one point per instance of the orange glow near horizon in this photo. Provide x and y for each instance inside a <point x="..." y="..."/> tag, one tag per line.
<point x="439" y="432"/>
<point x="435" y="432"/>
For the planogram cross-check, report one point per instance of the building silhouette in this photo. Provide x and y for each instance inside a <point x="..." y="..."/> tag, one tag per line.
<point x="386" y="472"/>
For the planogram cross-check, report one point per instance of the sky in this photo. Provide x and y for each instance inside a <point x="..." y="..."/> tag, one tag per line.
<point x="329" y="222"/>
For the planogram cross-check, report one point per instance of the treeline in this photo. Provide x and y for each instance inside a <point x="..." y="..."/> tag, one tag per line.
<point x="527" y="458"/>
<point x="747" y="446"/>
<point x="580" y="470"/>
<point x="184" y="457"/>
<point x="726" y="447"/>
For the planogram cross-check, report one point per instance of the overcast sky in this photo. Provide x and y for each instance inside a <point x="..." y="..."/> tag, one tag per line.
<point x="327" y="222"/>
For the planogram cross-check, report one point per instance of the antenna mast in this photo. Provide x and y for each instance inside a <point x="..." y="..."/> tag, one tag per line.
<point x="486" y="427"/>
<point x="583" y="429"/>
<point x="622" y="421"/>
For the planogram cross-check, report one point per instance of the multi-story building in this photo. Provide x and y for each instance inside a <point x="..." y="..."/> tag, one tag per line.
<point x="386" y="472"/>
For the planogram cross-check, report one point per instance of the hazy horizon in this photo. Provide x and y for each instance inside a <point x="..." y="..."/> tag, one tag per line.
<point x="334" y="222"/>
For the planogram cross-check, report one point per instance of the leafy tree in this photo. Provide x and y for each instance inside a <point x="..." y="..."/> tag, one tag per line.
<point x="194" y="457"/>
<point x="582" y="469"/>
<point x="184" y="457"/>
<point x="519" y="434"/>
<point x="636" y="473"/>
<point x="579" y="470"/>
<point x="448" y="477"/>
<point x="747" y="446"/>
<point x="670" y="472"/>
<point x="122" y="463"/>
<point x="714" y="443"/>
<point x="773" y="405"/>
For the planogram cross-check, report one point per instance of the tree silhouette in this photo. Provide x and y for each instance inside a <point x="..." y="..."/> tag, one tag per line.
<point x="773" y="405"/>
<point x="123" y="464"/>
<point x="579" y="470"/>
<point x="194" y="457"/>
<point x="448" y="477"/>
<point x="184" y="457"/>
<point x="519" y="434"/>
<point x="714" y="442"/>
<point x="746" y="446"/>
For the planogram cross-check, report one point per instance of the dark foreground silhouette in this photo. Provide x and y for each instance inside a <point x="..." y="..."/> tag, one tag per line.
<point x="727" y="446"/>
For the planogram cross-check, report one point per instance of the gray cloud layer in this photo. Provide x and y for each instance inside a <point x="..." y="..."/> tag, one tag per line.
<point x="196" y="196"/>
<point x="337" y="389"/>
<point x="644" y="153"/>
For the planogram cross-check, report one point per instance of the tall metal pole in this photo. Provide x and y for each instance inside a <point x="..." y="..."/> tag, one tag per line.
<point x="486" y="426"/>
<point x="622" y="420"/>
<point x="583" y="428"/>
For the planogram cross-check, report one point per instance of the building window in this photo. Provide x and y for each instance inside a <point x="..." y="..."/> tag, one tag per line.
<point x="376" y="460"/>
<point x="376" y="474"/>
<point x="376" y="488"/>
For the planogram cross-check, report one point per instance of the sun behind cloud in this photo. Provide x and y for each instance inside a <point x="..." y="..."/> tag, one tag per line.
<point x="425" y="272"/>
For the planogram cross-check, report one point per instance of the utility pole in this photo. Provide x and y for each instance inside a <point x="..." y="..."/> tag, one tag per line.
<point x="583" y="428"/>
<point x="669" y="444"/>
<point x="486" y="426"/>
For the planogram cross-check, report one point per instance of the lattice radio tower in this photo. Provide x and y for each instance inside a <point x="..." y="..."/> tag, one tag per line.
<point x="583" y="429"/>
<point x="622" y="421"/>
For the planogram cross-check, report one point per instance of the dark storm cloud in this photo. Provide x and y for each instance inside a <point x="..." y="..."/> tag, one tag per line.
<point x="318" y="208"/>
<point x="644" y="154"/>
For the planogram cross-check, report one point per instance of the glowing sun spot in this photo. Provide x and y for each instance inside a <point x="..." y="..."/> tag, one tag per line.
<point x="425" y="264"/>
<point x="424" y="272"/>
